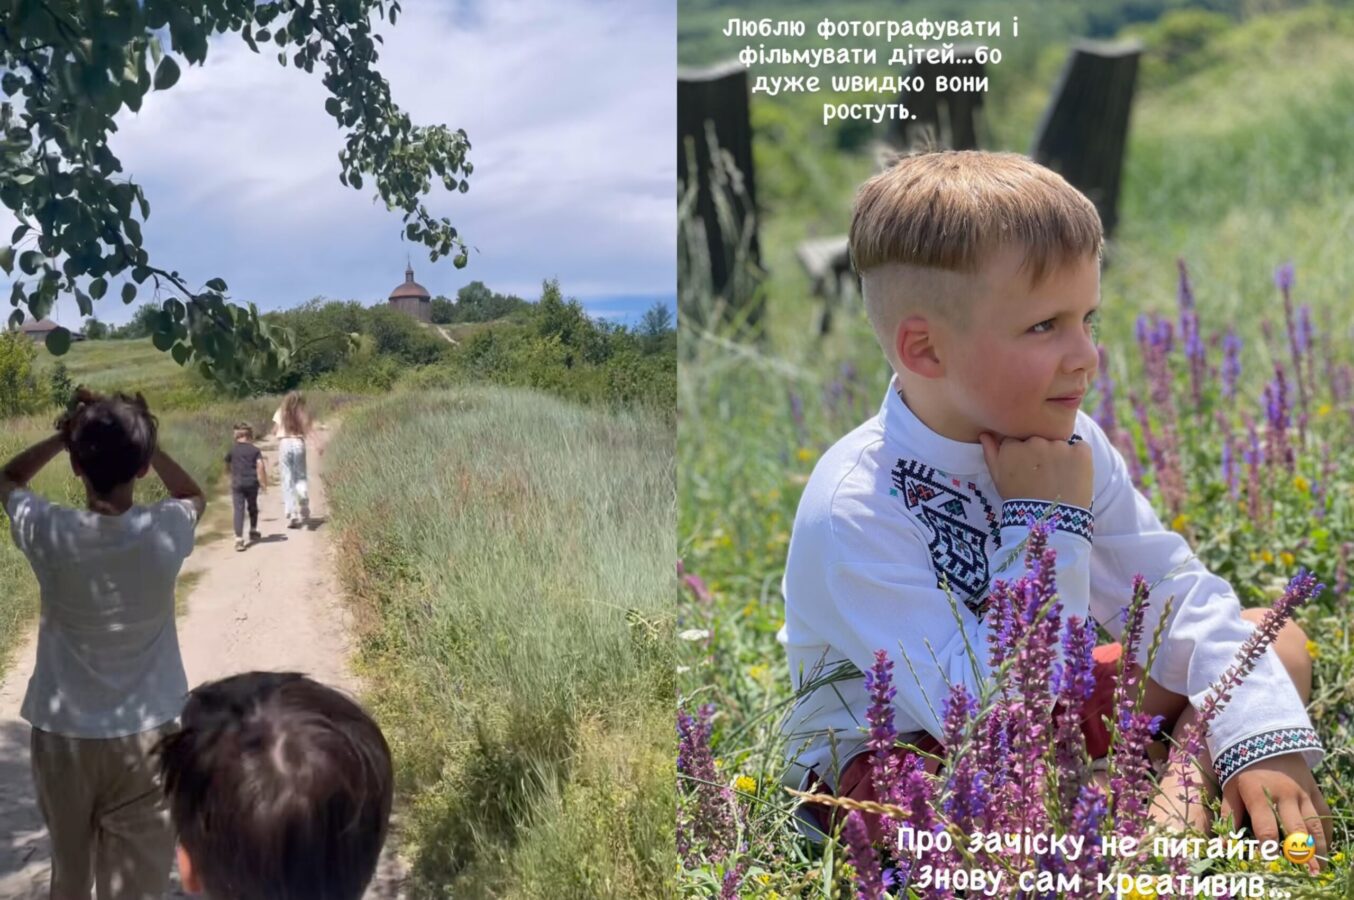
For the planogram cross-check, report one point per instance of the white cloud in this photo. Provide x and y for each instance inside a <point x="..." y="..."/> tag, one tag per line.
<point x="570" y="108"/>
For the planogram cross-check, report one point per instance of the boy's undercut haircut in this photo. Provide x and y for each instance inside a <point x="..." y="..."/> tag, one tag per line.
<point x="112" y="439"/>
<point x="951" y="210"/>
<point x="279" y="787"/>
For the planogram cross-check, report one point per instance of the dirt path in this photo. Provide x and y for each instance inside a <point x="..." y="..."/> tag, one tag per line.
<point x="276" y="606"/>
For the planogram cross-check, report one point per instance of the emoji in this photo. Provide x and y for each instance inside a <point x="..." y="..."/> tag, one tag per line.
<point x="1299" y="847"/>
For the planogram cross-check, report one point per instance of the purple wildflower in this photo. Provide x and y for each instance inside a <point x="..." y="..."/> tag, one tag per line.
<point x="1283" y="278"/>
<point x="706" y="819"/>
<point x="694" y="583"/>
<point x="1231" y="363"/>
<point x="860" y="851"/>
<point x="884" y="769"/>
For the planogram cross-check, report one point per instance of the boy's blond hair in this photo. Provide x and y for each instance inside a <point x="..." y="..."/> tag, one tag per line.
<point x="244" y="430"/>
<point x="935" y="218"/>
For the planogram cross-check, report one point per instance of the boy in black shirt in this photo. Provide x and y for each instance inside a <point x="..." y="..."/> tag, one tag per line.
<point x="248" y="475"/>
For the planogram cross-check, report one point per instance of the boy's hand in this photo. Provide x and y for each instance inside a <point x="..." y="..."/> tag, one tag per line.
<point x="1286" y="782"/>
<point x="1039" y="469"/>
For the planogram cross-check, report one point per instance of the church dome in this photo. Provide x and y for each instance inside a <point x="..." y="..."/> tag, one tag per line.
<point x="410" y="288"/>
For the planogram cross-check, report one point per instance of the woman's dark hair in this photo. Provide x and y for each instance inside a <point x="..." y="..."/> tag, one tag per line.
<point x="111" y="439"/>
<point x="279" y="787"/>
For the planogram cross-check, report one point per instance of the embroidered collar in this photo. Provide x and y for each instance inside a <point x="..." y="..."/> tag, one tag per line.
<point x="913" y="436"/>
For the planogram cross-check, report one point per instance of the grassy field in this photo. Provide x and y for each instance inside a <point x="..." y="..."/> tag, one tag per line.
<point x="511" y="558"/>
<point x="1235" y="180"/>
<point x="114" y="365"/>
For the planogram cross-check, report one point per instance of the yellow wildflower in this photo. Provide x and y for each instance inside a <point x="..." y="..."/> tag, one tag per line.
<point x="1267" y="556"/>
<point x="745" y="784"/>
<point x="1339" y="856"/>
<point x="1323" y="410"/>
<point x="764" y="878"/>
<point x="1287" y="559"/>
<point x="758" y="672"/>
<point x="1313" y="650"/>
<point x="1302" y="484"/>
<point x="1179" y="522"/>
<point x="804" y="454"/>
<point x="1274" y="866"/>
<point x="1134" y="894"/>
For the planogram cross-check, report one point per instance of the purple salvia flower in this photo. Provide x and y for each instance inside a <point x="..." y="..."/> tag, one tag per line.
<point x="1184" y="293"/>
<point x="1277" y="416"/>
<point x="861" y="854"/>
<point x="1283" y="278"/>
<point x="1104" y="385"/>
<point x="693" y="583"/>
<point x="1088" y="813"/>
<point x="965" y="794"/>
<point x="1231" y="363"/>
<point x="1197" y="357"/>
<point x="1229" y="468"/>
<point x="733" y="880"/>
<point x="884" y="769"/>
<point x="1074" y="684"/>
<point x="706" y="821"/>
<point x="1301" y="588"/>
<point x="1254" y="458"/>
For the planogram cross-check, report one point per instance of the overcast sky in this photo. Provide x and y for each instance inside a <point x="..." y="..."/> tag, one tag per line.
<point x="570" y="107"/>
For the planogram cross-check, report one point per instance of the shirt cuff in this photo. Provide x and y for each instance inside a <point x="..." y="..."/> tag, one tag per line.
<point x="1251" y="750"/>
<point x="1064" y="517"/>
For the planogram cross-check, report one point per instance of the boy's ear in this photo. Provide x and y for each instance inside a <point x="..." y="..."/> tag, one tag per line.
<point x="187" y="875"/>
<point x="914" y="342"/>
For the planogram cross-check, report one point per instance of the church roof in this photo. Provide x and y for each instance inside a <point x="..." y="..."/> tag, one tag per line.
<point x="410" y="287"/>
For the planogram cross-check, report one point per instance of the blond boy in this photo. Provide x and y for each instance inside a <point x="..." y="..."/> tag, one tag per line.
<point x="981" y="277"/>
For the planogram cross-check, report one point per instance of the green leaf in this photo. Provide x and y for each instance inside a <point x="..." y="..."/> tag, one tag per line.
<point x="460" y="260"/>
<point x="180" y="353"/>
<point x="333" y="106"/>
<point x="166" y="74"/>
<point x="58" y="341"/>
<point x="29" y="261"/>
<point x="7" y="259"/>
<point x="98" y="287"/>
<point x="162" y="341"/>
<point x="217" y="284"/>
<point x="128" y="292"/>
<point x="86" y="305"/>
<point x="16" y="318"/>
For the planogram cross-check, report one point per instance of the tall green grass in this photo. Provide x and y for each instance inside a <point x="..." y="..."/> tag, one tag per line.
<point x="511" y="556"/>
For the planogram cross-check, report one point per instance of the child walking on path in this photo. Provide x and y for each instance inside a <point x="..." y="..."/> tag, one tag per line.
<point x="248" y="476"/>
<point x="109" y="682"/>
<point x="292" y="424"/>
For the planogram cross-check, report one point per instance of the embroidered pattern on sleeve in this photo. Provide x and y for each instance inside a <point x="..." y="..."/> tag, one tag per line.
<point x="944" y="504"/>
<point x="1072" y="519"/>
<point x="1262" y="746"/>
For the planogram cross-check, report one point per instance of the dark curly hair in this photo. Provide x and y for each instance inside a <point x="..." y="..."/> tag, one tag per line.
<point x="111" y="438"/>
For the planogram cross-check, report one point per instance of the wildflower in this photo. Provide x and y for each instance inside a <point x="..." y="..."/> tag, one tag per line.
<point x="1267" y="556"/>
<point x="705" y="810"/>
<point x="693" y="583"/>
<point x="860" y="853"/>
<point x="1283" y="279"/>
<point x="884" y="767"/>
<point x="804" y="454"/>
<point x="745" y="784"/>
<point x="1313" y="650"/>
<point x="1179" y="522"/>
<point x="1302" y="484"/>
<point x="1287" y="559"/>
<point x="1323" y="410"/>
<point x="1274" y="866"/>
<point x="1231" y="363"/>
<point x="694" y="634"/>
<point x="757" y="672"/>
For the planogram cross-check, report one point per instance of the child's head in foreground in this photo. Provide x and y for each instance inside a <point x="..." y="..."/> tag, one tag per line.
<point x="111" y="439"/>
<point x="244" y="431"/>
<point x="980" y="273"/>
<point x="279" y="787"/>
